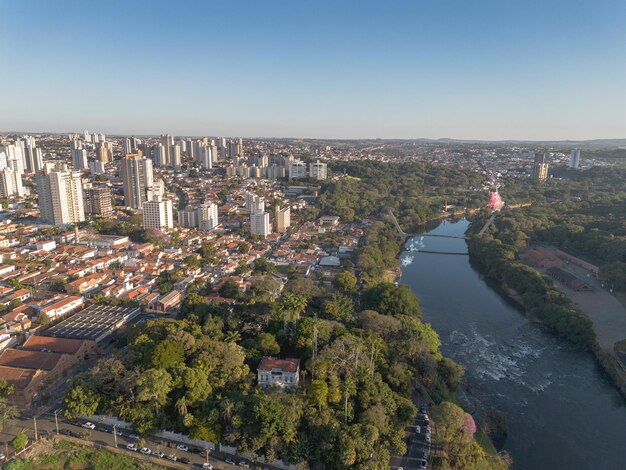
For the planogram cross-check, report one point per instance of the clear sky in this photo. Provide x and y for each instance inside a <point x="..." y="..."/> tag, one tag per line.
<point x="475" y="69"/>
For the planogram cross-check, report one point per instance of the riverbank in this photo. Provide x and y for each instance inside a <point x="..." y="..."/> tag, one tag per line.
<point x="548" y="389"/>
<point x="561" y="317"/>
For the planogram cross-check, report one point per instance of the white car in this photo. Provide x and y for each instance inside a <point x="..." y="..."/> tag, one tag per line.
<point x="117" y="432"/>
<point x="2" y="456"/>
<point x="230" y="461"/>
<point x="207" y="466"/>
<point x="171" y="457"/>
<point x="182" y="447"/>
<point x="132" y="447"/>
<point x="244" y="464"/>
<point x="134" y="437"/>
<point x="145" y="451"/>
<point x="89" y="425"/>
<point x="158" y="454"/>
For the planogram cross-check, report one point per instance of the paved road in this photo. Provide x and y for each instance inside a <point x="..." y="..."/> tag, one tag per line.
<point x="103" y="436"/>
<point x="417" y="447"/>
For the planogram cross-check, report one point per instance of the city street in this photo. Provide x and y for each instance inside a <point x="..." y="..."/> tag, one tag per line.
<point x="103" y="436"/>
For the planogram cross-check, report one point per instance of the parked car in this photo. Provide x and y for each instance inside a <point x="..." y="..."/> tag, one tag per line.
<point x="230" y="461"/>
<point x="158" y="454"/>
<point x="243" y="463"/>
<point x="132" y="447"/>
<point x="183" y="460"/>
<point x="422" y="464"/>
<point x="117" y="432"/>
<point x="89" y="425"/>
<point x="2" y="457"/>
<point x="182" y="447"/>
<point x="134" y="437"/>
<point x="423" y="408"/>
<point x="427" y="437"/>
<point x="172" y="457"/>
<point x="207" y="466"/>
<point x="145" y="451"/>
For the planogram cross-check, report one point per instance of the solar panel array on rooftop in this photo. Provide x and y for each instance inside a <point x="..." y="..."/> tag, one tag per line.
<point x="95" y="322"/>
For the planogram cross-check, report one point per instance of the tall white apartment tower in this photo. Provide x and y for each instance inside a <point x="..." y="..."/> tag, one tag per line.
<point x="297" y="169"/>
<point x="318" y="170"/>
<point x="205" y="156"/>
<point x="574" y="159"/>
<point x="260" y="224"/>
<point x="137" y="175"/>
<point x="33" y="157"/>
<point x="207" y="216"/>
<point x="11" y="184"/>
<point x="60" y="197"/>
<point x="167" y="141"/>
<point x="158" y="214"/>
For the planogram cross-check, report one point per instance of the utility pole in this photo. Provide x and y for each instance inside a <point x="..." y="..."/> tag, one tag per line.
<point x="35" y="421"/>
<point x="115" y="435"/>
<point x="56" y="420"/>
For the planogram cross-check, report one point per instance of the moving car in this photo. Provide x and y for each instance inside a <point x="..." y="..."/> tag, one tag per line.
<point x="134" y="437"/>
<point x="132" y="447"/>
<point x="182" y="447"/>
<point x="207" y="466"/>
<point x="89" y="425"/>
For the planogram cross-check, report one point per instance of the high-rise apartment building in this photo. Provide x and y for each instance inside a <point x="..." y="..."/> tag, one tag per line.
<point x="15" y="156"/>
<point x="167" y="141"/>
<point x="574" y="159"/>
<point x="98" y="201"/>
<point x="158" y="214"/>
<point x="540" y="167"/>
<point x="103" y="152"/>
<point x="318" y="170"/>
<point x="297" y="169"/>
<point x="260" y="224"/>
<point x="188" y="217"/>
<point x="137" y="175"/>
<point x="207" y="216"/>
<point x="33" y="157"/>
<point x="175" y="153"/>
<point x="11" y="184"/>
<point x="205" y="156"/>
<point x="60" y="197"/>
<point x="283" y="219"/>
<point x="79" y="155"/>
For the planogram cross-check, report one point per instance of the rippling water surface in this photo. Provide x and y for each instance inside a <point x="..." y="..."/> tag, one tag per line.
<point x="562" y="411"/>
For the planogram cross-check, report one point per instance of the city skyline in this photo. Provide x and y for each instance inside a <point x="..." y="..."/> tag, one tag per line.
<point x="486" y="71"/>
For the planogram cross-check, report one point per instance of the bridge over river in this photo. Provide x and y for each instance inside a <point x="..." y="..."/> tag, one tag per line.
<point x="462" y="237"/>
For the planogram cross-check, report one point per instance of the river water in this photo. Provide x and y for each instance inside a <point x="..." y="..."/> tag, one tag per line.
<point x="562" y="411"/>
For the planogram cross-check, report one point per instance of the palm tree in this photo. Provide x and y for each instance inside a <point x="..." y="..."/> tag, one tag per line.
<point x="228" y="408"/>
<point x="181" y="406"/>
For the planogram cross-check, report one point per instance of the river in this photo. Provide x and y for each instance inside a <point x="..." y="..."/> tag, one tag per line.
<point x="562" y="411"/>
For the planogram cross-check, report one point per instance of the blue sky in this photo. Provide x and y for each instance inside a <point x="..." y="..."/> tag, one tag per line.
<point x="501" y="69"/>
